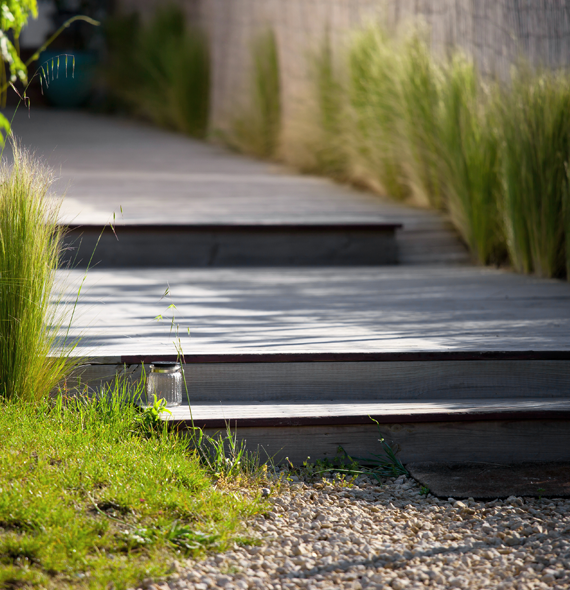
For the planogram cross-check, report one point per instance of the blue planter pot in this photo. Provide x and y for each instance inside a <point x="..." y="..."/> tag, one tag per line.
<point x="69" y="89"/>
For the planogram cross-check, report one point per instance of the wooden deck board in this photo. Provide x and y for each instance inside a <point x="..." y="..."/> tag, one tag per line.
<point x="301" y="413"/>
<point x="382" y="310"/>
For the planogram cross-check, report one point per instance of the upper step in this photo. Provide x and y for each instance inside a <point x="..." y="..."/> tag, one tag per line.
<point x="232" y="245"/>
<point x="113" y="170"/>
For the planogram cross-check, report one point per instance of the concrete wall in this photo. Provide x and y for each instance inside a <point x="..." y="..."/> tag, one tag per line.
<point x="493" y="31"/>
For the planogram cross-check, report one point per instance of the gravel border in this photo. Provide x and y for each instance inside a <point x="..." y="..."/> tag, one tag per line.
<point x="391" y="536"/>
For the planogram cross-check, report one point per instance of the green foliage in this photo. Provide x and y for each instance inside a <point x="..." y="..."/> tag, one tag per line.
<point x="90" y="501"/>
<point x="257" y="129"/>
<point x="30" y="243"/>
<point x="470" y="153"/>
<point x="14" y="15"/>
<point x="536" y="151"/>
<point x="433" y="132"/>
<point x="160" y="70"/>
<point x="223" y="456"/>
<point x="374" y="95"/>
<point x="150" y="417"/>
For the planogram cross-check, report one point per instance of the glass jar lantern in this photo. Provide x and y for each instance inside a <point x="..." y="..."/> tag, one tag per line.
<point x="164" y="381"/>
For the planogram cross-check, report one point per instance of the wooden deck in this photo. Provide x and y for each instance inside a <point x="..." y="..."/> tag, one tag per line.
<point x="455" y="362"/>
<point x="128" y="173"/>
<point x="397" y="310"/>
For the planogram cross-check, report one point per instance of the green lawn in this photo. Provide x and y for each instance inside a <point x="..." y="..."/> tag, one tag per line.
<point x="92" y="498"/>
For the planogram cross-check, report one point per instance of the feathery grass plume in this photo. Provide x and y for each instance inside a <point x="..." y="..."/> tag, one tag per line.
<point x="30" y="243"/>
<point x="470" y="155"/>
<point x="420" y="92"/>
<point x="375" y="99"/>
<point x="536" y="146"/>
<point x="257" y="129"/>
<point x="160" y="70"/>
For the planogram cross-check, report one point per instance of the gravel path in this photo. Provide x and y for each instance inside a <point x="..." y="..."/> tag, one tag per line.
<point x="390" y="536"/>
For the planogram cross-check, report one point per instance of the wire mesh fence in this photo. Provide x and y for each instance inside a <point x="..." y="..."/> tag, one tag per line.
<point x="495" y="32"/>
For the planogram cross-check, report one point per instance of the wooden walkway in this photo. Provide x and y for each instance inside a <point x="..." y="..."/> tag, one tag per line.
<point x="115" y="169"/>
<point x="454" y="361"/>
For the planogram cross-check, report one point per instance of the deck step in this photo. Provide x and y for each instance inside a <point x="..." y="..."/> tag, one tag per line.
<point x="498" y="432"/>
<point x="285" y="377"/>
<point x="491" y="407"/>
<point x="335" y="412"/>
<point x="232" y="245"/>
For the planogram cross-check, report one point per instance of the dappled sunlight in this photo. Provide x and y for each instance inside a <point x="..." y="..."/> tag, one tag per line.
<point x="262" y="310"/>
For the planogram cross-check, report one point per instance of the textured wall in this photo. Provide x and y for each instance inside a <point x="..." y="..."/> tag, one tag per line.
<point x="493" y="31"/>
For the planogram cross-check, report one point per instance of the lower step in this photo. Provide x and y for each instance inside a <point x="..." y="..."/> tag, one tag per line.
<point x="504" y="407"/>
<point x="497" y="431"/>
<point x="227" y="245"/>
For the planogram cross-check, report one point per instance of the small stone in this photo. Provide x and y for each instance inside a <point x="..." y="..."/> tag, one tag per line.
<point x="265" y="492"/>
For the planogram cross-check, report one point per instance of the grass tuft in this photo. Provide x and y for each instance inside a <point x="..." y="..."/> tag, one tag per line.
<point x="536" y="126"/>
<point x="30" y="244"/>
<point x="91" y="498"/>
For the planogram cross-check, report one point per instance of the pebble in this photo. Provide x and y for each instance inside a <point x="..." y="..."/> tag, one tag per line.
<point x="369" y="536"/>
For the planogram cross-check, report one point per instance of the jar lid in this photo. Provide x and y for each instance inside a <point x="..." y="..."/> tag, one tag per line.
<point x="164" y="367"/>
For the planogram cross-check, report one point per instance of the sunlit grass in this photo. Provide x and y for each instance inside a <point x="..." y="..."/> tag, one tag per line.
<point x="91" y="496"/>
<point x="535" y="116"/>
<point x="30" y="243"/>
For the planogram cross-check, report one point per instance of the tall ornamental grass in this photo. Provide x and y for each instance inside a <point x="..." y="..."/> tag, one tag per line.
<point x="160" y="70"/>
<point x="257" y="128"/>
<point x="374" y="97"/>
<point x="469" y="150"/>
<point x="30" y="243"/>
<point x="434" y="132"/>
<point x="535" y="115"/>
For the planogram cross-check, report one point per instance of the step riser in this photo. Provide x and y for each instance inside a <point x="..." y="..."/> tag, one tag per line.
<point x="231" y="247"/>
<point x="487" y="441"/>
<point x="314" y="381"/>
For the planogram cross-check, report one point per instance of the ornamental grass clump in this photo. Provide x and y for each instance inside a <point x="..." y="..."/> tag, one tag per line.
<point x="30" y="245"/>
<point x="374" y="95"/>
<point x="536" y="151"/>
<point x="257" y="128"/>
<point x="470" y="152"/>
